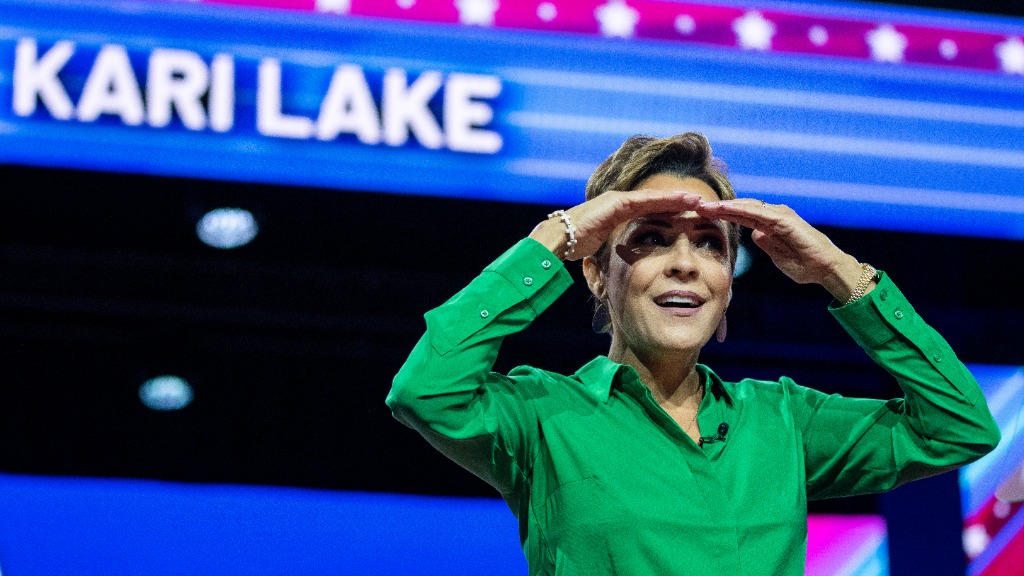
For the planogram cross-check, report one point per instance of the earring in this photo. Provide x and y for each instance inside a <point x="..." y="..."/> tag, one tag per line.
<point x="720" y="331"/>
<point x="602" y="321"/>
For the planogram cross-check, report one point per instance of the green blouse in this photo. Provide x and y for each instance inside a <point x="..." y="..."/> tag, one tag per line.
<point x="603" y="481"/>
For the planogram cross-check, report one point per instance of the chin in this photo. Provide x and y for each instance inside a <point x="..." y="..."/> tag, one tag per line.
<point x="681" y="346"/>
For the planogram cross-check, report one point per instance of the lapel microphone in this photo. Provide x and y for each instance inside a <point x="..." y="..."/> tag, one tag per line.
<point x="723" y="429"/>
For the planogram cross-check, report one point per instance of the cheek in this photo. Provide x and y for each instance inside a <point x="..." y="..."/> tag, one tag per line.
<point x="718" y="269"/>
<point x="618" y="282"/>
<point x="724" y="284"/>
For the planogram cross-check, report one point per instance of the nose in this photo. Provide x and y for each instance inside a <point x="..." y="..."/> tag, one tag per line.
<point x="680" y="259"/>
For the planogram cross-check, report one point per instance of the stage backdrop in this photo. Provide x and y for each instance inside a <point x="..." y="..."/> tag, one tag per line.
<point x="901" y="119"/>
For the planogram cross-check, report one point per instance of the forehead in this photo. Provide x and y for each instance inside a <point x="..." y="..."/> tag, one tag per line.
<point x="672" y="221"/>
<point x="672" y="182"/>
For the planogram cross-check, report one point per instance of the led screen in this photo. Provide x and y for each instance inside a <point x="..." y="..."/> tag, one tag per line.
<point x="857" y="117"/>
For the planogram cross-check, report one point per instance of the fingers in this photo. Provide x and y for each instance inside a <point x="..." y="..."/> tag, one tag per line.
<point x="613" y="208"/>
<point x="749" y="212"/>
<point x="638" y="202"/>
<point x="595" y="219"/>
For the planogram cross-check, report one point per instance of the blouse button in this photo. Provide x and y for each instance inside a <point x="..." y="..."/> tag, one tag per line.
<point x="528" y="281"/>
<point x="484" y="313"/>
<point x="898" y="314"/>
<point x="545" y="264"/>
<point x="884" y="295"/>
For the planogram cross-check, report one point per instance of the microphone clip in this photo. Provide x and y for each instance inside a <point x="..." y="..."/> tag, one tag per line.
<point x="723" y="429"/>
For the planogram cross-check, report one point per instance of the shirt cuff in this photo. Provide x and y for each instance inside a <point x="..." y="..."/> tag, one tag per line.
<point x="872" y="320"/>
<point x="515" y="288"/>
<point x="885" y="314"/>
<point x="530" y="268"/>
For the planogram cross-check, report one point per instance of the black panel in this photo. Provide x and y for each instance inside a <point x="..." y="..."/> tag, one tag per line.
<point x="291" y="342"/>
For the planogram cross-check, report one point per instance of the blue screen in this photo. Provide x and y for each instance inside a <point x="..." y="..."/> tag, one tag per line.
<point x="375" y="104"/>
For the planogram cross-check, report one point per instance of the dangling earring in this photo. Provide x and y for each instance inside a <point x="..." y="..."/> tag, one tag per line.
<point x="720" y="331"/>
<point x="602" y="321"/>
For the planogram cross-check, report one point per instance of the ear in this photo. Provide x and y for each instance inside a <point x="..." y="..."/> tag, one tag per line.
<point x="592" y="273"/>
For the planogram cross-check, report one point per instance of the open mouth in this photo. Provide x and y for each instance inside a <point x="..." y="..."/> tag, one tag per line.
<point x="679" y="300"/>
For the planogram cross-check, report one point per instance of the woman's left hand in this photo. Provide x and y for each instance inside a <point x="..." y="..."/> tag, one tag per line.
<point x="798" y="249"/>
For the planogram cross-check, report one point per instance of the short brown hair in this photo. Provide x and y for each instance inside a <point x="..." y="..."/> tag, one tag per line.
<point x="683" y="155"/>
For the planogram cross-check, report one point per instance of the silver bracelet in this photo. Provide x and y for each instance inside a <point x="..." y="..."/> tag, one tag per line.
<point x="570" y="231"/>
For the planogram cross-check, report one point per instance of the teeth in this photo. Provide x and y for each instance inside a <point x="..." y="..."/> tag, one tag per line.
<point x="679" y="300"/>
<point x="686" y="301"/>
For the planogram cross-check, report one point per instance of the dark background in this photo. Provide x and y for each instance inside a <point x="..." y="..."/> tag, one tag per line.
<point x="290" y="342"/>
<point x="1006" y="7"/>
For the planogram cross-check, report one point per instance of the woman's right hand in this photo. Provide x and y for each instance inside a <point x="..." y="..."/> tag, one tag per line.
<point x="595" y="219"/>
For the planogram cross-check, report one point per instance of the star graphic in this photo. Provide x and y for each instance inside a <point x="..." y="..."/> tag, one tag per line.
<point x="685" y="24"/>
<point x="818" y="35"/>
<point x="887" y="45"/>
<point x="477" y="12"/>
<point x="546" y="11"/>
<point x="976" y="539"/>
<point x="753" y="31"/>
<point x="334" y="6"/>
<point x="617" y="19"/>
<point x="948" y="49"/>
<point x="1011" y="55"/>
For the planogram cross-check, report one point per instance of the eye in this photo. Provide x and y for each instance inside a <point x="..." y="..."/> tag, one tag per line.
<point x="712" y="242"/>
<point x="650" y="238"/>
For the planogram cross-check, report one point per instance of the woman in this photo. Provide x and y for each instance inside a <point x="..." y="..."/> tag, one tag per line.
<point x="644" y="461"/>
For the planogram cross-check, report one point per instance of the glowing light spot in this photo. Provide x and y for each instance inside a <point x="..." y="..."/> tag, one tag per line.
<point x="227" y="228"/>
<point x="743" y="261"/>
<point x="166" y="393"/>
